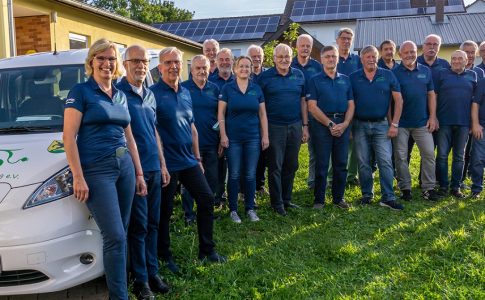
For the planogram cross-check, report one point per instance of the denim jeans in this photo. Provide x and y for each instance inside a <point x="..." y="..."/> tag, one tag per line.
<point x="242" y="156"/>
<point x="284" y="147"/>
<point x="210" y="164"/>
<point x="477" y="163"/>
<point x="372" y="137"/>
<point x="194" y="181"/>
<point x="337" y="148"/>
<point x="111" y="185"/>
<point x="451" y="137"/>
<point x="143" y="230"/>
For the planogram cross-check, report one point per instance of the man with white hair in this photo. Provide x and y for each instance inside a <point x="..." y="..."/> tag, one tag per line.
<point x="210" y="48"/>
<point x="481" y="52"/>
<point x="430" y="59"/>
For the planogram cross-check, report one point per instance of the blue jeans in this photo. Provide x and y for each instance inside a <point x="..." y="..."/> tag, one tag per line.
<point x="372" y="137"/>
<point x="327" y="146"/>
<point x="451" y="137"/>
<point x="143" y="230"/>
<point x="210" y="164"/>
<point x="242" y="155"/>
<point x="111" y="185"/>
<point x="477" y="163"/>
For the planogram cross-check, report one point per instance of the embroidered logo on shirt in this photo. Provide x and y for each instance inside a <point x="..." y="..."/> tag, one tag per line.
<point x="421" y="76"/>
<point x="70" y="101"/>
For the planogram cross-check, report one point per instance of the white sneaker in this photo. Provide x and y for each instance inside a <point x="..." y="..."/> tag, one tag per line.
<point x="253" y="217"/>
<point x="234" y="217"/>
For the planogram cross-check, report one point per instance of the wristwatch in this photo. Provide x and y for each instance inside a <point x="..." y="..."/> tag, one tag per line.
<point x="331" y="124"/>
<point x="395" y="125"/>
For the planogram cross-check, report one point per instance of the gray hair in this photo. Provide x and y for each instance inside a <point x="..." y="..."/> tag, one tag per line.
<point x="407" y="42"/>
<point x="199" y="57"/>
<point x="345" y="30"/>
<point x="216" y="43"/>
<point x="169" y="50"/>
<point x="133" y="47"/>
<point x="254" y="47"/>
<point x="303" y="36"/>
<point x="281" y="47"/>
<point x="433" y="35"/>
<point x="225" y="50"/>
<point x="369" y="48"/>
<point x="469" y="43"/>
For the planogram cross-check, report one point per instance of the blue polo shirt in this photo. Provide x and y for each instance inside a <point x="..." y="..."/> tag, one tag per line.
<point x="349" y="65"/>
<point x="219" y="81"/>
<point x="436" y="67"/>
<point x="479" y="98"/>
<point x="174" y="121"/>
<point x="204" y="105"/>
<point x="103" y="122"/>
<point x="255" y="77"/>
<point x="309" y="70"/>
<point x="242" y="111"/>
<point x="282" y="95"/>
<point x="479" y="71"/>
<point x="143" y="117"/>
<point x="332" y="94"/>
<point x="482" y="66"/>
<point x="415" y="86"/>
<point x="382" y="64"/>
<point x="372" y="98"/>
<point x="455" y="95"/>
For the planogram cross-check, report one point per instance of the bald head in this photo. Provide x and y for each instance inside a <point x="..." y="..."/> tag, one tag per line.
<point x="409" y="53"/>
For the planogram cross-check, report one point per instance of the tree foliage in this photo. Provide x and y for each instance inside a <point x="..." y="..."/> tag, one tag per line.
<point x="289" y="38"/>
<point x="145" y="11"/>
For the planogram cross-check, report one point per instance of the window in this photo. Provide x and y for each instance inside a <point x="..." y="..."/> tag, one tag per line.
<point x="77" y="41"/>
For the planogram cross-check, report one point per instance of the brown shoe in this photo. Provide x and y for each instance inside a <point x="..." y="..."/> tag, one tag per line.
<point x="342" y="204"/>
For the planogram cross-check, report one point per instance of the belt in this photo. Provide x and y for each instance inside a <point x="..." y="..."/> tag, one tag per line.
<point x="371" y="119"/>
<point x="334" y="114"/>
<point x="120" y="151"/>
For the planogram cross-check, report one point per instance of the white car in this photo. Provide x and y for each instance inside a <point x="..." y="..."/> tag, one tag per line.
<point x="48" y="240"/>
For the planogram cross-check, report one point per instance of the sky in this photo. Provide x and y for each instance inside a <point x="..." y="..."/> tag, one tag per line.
<point x="235" y="8"/>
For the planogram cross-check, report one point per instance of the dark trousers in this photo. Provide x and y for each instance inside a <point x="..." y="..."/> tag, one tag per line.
<point x="284" y="147"/>
<point x="260" y="178"/>
<point x="326" y="146"/>
<point x="194" y="181"/>
<point x="143" y="230"/>
<point x="466" y="165"/>
<point x="221" y="178"/>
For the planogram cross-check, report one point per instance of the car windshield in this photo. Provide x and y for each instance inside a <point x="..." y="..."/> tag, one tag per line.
<point x="32" y="99"/>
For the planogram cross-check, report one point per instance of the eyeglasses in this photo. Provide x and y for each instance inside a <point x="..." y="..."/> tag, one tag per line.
<point x="171" y="62"/>
<point x="282" y="57"/>
<point x="101" y="59"/>
<point x="136" y="61"/>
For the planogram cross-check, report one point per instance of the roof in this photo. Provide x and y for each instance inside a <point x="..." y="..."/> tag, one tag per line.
<point x="454" y="31"/>
<point x="224" y="29"/>
<point x="129" y="22"/>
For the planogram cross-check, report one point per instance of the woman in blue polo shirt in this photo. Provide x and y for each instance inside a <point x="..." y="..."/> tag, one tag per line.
<point x="244" y="132"/>
<point x="104" y="158"/>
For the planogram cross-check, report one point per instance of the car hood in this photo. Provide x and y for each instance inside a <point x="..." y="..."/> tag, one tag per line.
<point x="30" y="158"/>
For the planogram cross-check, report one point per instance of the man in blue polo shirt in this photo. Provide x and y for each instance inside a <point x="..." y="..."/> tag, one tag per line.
<point x="204" y="104"/>
<point x="387" y="51"/>
<point x="418" y="119"/>
<point x="478" y="147"/>
<point x="430" y="59"/>
<point x="310" y="67"/>
<point x="145" y="211"/>
<point x="210" y="48"/>
<point x="455" y="88"/>
<point x="373" y="90"/>
<point x="180" y="139"/>
<point x="331" y="104"/>
<point x="284" y="93"/>
<point x="481" y="52"/>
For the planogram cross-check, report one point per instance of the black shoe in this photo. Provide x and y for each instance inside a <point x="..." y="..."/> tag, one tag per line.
<point x="442" y="192"/>
<point x="394" y="205"/>
<point x="291" y="205"/>
<point x="142" y="291"/>
<point x="342" y="204"/>
<point x="353" y="182"/>
<point x="158" y="285"/>
<point x="431" y="195"/>
<point x="475" y="195"/>
<point x="365" y="200"/>
<point x="406" y="195"/>
<point x="457" y="194"/>
<point x="172" y="266"/>
<point x="214" y="257"/>
<point x="280" y="211"/>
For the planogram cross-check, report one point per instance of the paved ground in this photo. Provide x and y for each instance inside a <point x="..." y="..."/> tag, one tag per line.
<point x="93" y="290"/>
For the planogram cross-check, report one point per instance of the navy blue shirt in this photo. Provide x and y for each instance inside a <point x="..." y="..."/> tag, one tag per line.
<point x="372" y="98"/>
<point x="382" y="64"/>
<point x="174" y="121"/>
<point x="349" y="65"/>
<point x="103" y="122"/>
<point x="143" y="117"/>
<point x="204" y="105"/>
<point x="482" y="66"/>
<point x="255" y="77"/>
<point x="242" y="111"/>
<point x="455" y="95"/>
<point x="479" y="71"/>
<point x="282" y="95"/>
<point x="479" y="98"/>
<point x="219" y="81"/>
<point x="309" y="70"/>
<point x="415" y="86"/>
<point x="436" y="67"/>
<point x="332" y="94"/>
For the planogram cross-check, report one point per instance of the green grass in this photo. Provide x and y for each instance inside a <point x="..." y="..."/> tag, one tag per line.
<point x="428" y="251"/>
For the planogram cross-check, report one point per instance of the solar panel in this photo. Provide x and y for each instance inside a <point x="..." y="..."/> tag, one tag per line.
<point x="224" y="29"/>
<point x="322" y="10"/>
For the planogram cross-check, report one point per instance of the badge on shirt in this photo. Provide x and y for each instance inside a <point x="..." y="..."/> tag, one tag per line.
<point x="70" y="101"/>
<point x="421" y="76"/>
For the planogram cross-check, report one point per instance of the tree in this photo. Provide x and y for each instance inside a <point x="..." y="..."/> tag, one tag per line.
<point x="289" y="37"/>
<point x="145" y="11"/>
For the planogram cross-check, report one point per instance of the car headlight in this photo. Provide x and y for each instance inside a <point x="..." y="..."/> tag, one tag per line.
<point x="55" y="188"/>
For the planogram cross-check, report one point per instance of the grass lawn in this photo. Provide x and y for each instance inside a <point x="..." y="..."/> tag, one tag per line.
<point x="428" y="251"/>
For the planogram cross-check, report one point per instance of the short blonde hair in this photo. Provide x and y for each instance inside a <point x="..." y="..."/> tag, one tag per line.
<point x="99" y="46"/>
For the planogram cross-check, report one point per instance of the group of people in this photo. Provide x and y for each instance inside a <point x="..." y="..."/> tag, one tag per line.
<point x="129" y="146"/>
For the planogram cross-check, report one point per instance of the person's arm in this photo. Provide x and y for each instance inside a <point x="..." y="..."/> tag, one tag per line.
<point x="263" y="120"/>
<point x="432" y="123"/>
<point x="304" y="119"/>
<point x="195" y="145"/>
<point x="339" y="129"/>
<point x="141" y="187"/>
<point x="72" y="122"/>
<point x="317" y="113"/>
<point x="163" y="165"/>
<point x="477" y="129"/>
<point x="397" y="98"/>
<point x="221" y="117"/>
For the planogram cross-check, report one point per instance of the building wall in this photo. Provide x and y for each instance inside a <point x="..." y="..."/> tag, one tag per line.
<point x="4" y="30"/>
<point x="33" y="34"/>
<point x="240" y="48"/>
<point x="326" y="33"/>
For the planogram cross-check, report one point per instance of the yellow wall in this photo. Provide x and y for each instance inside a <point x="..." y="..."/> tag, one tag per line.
<point x="4" y="34"/>
<point x="71" y="20"/>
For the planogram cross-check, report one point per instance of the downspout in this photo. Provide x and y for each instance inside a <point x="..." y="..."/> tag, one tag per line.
<point x="11" y="28"/>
